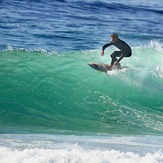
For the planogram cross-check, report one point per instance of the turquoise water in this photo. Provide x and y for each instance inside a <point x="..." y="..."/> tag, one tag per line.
<point x="55" y="108"/>
<point x="50" y="92"/>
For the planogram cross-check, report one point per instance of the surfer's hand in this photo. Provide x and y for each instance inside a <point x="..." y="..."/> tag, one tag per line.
<point x="102" y="53"/>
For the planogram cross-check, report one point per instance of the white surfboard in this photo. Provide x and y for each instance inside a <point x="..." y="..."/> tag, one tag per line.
<point x="104" y="67"/>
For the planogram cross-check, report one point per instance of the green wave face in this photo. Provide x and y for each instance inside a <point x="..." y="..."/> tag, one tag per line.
<point x="49" y="92"/>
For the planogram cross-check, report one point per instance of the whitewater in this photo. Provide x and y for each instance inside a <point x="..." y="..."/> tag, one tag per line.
<point x="62" y="148"/>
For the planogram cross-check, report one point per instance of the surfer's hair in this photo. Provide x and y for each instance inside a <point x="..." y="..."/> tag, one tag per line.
<point x="114" y="35"/>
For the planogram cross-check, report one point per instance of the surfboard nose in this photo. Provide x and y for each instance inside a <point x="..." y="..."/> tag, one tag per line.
<point x="90" y="64"/>
<point x="93" y="65"/>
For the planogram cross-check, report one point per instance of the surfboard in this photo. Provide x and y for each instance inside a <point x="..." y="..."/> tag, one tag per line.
<point x="104" y="67"/>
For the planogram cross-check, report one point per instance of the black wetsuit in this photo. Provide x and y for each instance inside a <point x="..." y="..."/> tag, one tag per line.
<point x="125" y="50"/>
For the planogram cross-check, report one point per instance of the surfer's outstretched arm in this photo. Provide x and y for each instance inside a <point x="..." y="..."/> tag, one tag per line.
<point x="105" y="46"/>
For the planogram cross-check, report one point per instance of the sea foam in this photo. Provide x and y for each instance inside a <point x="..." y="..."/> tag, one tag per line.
<point x="74" y="155"/>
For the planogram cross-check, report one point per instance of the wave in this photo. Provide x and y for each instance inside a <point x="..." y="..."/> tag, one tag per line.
<point x="118" y="7"/>
<point x="61" y="32"/>
<point x="47" y="91"/>
<point x="75" y="155"/>
<point x="70" y="148"/>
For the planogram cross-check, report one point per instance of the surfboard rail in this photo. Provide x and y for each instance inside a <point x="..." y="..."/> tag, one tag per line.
<point x="105" y="67"/>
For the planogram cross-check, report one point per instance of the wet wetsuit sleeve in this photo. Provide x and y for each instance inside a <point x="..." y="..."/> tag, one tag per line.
<point x="106" y="45"/>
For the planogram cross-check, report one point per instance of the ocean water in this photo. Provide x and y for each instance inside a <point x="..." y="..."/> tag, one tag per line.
<point x="54" y="107"/>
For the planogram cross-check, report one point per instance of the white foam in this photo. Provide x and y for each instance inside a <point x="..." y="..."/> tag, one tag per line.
<point x="115" y="72"/>
<point x="84" y="149"/>
<point x="156" y="45"/>
<point x="74" y="155"/>
<point x="160" y="71"/>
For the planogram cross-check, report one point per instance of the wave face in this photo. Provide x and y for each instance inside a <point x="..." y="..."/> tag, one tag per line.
<point x="44" y="92"/>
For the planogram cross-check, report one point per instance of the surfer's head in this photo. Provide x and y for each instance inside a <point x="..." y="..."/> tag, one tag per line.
<point x="114" y="37"/>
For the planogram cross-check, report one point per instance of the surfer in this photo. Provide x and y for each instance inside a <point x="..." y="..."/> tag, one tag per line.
<point x="125" y="50"/>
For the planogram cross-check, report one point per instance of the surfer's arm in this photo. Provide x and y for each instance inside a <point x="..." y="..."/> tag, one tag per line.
<point x="105" y="46"/>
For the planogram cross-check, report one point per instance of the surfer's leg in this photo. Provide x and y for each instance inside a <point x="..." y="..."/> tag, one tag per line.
<point x="114" y="55"/>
